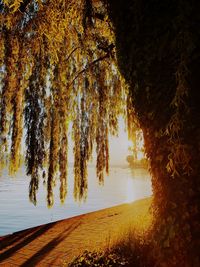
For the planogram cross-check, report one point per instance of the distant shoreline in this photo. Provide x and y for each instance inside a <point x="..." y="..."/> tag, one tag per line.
<point x="93" y="165"/>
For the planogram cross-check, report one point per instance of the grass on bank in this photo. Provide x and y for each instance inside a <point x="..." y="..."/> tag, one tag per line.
<point x="130" y="249"/>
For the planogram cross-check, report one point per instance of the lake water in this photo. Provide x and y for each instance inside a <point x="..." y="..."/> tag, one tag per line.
<point x="17" y="212"/>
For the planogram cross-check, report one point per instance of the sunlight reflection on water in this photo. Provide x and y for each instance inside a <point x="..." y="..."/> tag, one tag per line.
<point x="123" y="185"/>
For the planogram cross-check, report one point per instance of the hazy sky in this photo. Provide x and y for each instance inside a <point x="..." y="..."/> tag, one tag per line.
<point x="118" y="147"/>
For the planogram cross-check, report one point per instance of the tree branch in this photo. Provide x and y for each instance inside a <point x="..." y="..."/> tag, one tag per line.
<point x="72" y="52"/>
<point x="89" y="66"/>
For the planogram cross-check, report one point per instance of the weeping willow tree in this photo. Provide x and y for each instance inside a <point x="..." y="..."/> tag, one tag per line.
<point x="58" y="66"/>
<point x="158" y="53"/>
<point x="56" y="71"/>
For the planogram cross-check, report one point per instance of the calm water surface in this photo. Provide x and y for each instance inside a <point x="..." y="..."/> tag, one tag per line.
<point x="17" y="212"/>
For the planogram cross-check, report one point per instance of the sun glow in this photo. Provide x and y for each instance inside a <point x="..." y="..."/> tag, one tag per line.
<point x="121" y="146"/>
<point x="140" y="155"/>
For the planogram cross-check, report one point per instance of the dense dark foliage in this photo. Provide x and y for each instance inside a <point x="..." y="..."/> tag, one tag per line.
<point x="159" y="55"/>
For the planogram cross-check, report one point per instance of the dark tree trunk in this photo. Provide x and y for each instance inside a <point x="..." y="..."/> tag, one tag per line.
<point x="158" y="54"/>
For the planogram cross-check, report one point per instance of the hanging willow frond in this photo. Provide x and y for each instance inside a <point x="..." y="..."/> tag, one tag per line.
<point x="55" y="69"/>
<point x="34" y="122"/>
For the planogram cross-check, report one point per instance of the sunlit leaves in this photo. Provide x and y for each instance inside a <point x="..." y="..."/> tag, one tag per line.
<point x="56" y="70"/>
<point x="13" y="5"/>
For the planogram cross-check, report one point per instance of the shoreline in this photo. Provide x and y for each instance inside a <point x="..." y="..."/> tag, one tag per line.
<point x="18" y="213"/>
<point x="74" y="217"/>
<point x="56" y="242"/>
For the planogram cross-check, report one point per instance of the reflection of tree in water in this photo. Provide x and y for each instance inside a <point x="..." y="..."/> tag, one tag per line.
<point x="141" y="172"/>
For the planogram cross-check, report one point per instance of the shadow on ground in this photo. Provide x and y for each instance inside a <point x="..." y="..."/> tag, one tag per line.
<point x="11" y="244"/>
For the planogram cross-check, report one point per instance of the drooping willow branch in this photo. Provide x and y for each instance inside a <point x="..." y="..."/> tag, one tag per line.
<point x="53" y="74"/>
<point x="88" y="66"/>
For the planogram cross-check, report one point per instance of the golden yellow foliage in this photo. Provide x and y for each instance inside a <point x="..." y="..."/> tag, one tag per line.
<point x="58" y="65"/>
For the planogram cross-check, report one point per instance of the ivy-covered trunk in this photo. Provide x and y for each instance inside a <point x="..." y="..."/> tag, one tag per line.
<point x="158" y="54"/>
<point x="176" y="226"/>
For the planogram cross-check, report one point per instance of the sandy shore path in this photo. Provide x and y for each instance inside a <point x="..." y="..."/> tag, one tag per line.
<point x="52" y="244"/>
